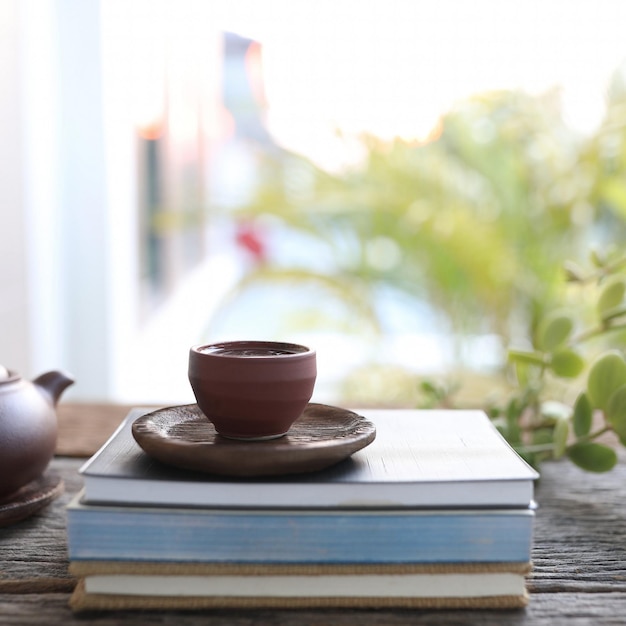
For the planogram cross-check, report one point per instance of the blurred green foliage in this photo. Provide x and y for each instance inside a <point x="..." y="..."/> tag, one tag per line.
<point x="590" y="353"/>
<point x="569" y="396"/>
<point x="476" y="221"/>
<point x="483" y="221"/>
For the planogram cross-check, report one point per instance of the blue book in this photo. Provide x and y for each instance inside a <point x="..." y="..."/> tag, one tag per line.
<point x="314" y="536"/>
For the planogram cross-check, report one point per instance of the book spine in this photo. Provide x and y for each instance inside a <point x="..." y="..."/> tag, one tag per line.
<point x="468" y="494"/>
<point x="159" y="568"/>
<point x="83" y="601"/>
<point x="148" y="536"/>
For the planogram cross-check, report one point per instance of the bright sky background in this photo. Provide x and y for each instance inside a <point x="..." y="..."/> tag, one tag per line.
<point x="391" y="67"/>
<point x="388" y="67"/>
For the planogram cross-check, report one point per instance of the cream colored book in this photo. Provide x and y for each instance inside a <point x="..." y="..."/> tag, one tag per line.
<point x="497" y="585"/>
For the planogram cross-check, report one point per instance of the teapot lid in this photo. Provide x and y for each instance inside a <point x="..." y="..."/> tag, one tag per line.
<point x="7" y="375"/>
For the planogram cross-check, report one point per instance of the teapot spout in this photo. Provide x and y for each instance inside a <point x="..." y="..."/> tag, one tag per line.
<point x="54" y="384"/>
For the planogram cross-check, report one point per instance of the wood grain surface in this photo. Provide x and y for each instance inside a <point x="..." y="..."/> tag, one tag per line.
<point x="83" y="428"/>
<point x="579" y="559"/>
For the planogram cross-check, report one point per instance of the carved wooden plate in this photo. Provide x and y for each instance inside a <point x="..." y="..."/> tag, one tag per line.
<point x="322" y="436"/>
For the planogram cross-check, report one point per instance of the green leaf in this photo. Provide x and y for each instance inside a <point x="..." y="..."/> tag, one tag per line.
<point x="559" y="437"/>
<point x="607" y="374"/>
<point x="613" y="192"/>
<point x="583" y="416"/>
<point x="554" y="331"/>
<point x="522" y="373"/>
<point x="567" y="363"/>
<point x="616" y="412"/>
<point x="611" y="296"/>
<point x="592" y="457"/>
<point x="573" y="272"/>
<point x="529" y="358"/>
<point x="612" y="314"/>
<point x="597" y="257"/>
<point x="543" y="436"/>
<point x="512" y="415"/>
<point x="427" y="387"/>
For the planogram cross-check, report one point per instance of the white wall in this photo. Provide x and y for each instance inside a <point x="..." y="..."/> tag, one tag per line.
<point x="69" y="277"/>
<point x="148" y="348"/>
<point x="83" y="199"/>
<point x="15" y="347"/>
<point x="39" y="71"/>
<point x="53" y="235"/>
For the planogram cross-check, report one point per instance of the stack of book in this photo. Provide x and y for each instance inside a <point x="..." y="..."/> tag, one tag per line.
<point x="437" y="512"/>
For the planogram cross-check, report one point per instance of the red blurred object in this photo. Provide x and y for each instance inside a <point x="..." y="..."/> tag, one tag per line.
<point x="250" y="238"/>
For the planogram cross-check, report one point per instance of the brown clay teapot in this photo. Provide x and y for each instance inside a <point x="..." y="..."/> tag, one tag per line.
<point x="28" y="426"/>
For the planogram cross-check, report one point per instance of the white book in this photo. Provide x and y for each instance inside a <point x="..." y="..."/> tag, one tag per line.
<point x="420" y="458"/>
<point x="453" y="585"/>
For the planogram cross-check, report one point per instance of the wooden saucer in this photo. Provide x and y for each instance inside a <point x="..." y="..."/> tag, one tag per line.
<point x="30" y="499"/>
<point x="183" y="437"/>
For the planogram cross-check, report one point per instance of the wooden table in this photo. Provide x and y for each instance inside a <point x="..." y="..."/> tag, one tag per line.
<point x="579" y="555"/>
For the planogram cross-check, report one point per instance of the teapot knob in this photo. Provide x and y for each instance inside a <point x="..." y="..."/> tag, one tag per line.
<point x="4" y="372"/>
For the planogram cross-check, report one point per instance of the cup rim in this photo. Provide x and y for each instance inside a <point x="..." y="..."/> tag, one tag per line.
<point x="302" y="350"/>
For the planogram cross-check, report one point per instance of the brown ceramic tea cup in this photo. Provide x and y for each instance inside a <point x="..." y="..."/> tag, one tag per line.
<point x="252" y="389"/>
